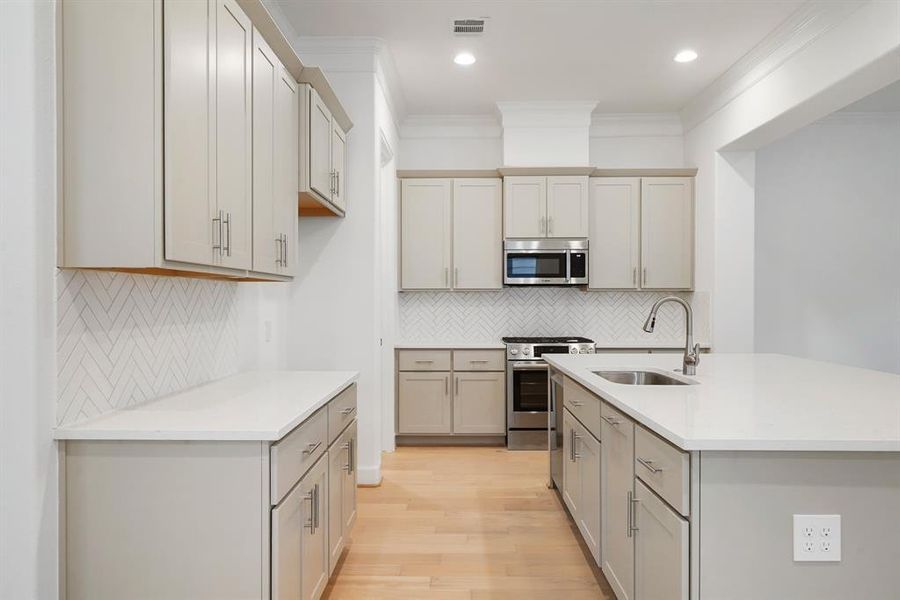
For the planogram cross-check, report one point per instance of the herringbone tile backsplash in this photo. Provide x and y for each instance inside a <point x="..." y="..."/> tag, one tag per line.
<point x="124" y="339"/>
<point x="609" y="318"/>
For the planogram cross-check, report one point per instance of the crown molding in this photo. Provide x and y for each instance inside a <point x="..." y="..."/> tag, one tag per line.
<point x="538" y="114"/>
<point x="800" y="29"/>
<point x="636" y="125"/>
<point x="451" y="127"/>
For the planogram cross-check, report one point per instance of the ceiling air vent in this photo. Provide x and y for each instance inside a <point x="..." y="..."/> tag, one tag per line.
<point x="468" y="26"/>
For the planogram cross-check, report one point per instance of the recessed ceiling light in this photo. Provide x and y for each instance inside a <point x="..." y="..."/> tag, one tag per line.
<point x="685" y="56"/>
<point x="464" y="58"/>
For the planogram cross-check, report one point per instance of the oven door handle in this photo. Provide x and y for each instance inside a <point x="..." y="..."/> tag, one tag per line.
<point x="530" y="366"/>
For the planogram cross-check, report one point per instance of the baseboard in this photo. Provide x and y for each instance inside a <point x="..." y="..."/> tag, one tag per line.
<point x="368" y="476"/>
<point x="451" y="440"/>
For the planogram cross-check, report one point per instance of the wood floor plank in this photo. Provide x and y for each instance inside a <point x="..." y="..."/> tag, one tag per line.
<point x="464" y="523"/>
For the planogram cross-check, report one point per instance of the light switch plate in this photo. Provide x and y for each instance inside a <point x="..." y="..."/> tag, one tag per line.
<point x="817" y="538"/>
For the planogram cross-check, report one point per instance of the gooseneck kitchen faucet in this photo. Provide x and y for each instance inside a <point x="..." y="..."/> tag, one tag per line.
<point x="691" y="350"/>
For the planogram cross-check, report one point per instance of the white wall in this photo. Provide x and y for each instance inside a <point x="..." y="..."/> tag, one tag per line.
<point x="828" y="242"/>
<point x="616" y="141"/>
<point x="28" y="462"/>
<point x="846" y="60"/>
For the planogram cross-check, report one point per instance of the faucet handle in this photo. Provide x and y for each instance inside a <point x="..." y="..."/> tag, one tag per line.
<point x="696" y="353"/>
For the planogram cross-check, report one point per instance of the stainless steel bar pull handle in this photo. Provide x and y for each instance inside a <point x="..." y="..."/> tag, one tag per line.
<point x="634" y="276"/>
<point x="217" y="232"/>
<point x="446" y="276"/>
<point x="456" y="277"/>
<point x="227" y="223"/>
<point x="632" y="514"/>
<point x="648" y="464"/>
<point x="347" y="411"/>
<point x="457" y="386"/>
<point x="284" y="248"/>
<point x="311" y="524"/>
<point x="644" y="281"/>
<point x="279" y="250"/>
<point x="611" y="421"/>
<point x="352" y="455"/>
<point x="310" y="448"/>
<point x="318" y="504"/>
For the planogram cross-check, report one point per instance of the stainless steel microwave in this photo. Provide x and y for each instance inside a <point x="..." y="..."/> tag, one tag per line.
<point x="545" y="262"/>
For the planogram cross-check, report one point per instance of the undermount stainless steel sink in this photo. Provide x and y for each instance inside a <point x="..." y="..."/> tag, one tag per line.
<point x="639" y="378"/>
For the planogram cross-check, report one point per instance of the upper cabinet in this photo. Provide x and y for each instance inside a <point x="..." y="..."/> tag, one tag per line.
<point x="322" y="158"/>
<point x="450" y="234"/>
<point x="275" y="118"/>
<point x="642" y="233"/>
<point x="179" y="149"/>
<point x="545" y="207"/>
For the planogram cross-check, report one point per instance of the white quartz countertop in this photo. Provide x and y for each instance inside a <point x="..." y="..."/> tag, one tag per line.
<point x="753" y="401"/>
<point x="498" y="345"/>
<point x="256" y="405"/>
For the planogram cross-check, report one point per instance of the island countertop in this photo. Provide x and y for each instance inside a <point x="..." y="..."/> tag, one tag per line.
<point x="255" y="405"/>
<point x="748" y="402"/>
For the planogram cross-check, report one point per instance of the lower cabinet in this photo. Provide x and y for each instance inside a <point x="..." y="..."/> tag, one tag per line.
<point x="451" y="393"/>
<point x="341" y="493"/>
<point x="479" y="403"/>
<point x="617" y="489"/>
<point x="424" y="403"/>
<point x="581" y="481"/>
<point x="661" y="546"/>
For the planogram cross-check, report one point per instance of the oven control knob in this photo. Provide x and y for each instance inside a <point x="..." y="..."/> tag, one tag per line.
<point x="573" y="350"/>
<point x="526" y="351"/>
<point x="590" y="350"/>
<point x="513" y="351"/>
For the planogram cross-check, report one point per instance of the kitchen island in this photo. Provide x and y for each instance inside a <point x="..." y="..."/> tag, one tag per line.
<point x="698" y="484"/>
<point x="241" y="488"/>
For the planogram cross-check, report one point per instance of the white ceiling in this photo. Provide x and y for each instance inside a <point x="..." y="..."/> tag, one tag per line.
<point x="617" y="52"/>
<point x="887" y="99"/>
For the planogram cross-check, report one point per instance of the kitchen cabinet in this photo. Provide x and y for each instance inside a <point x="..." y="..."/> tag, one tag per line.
<point x="661" y="543"/>
<point x="545" y="207"/>
<point x="275" y="119"/>
<point x="424" y="403"/>
<point x="479" y="403"/>
<point x="341" y="493"/>
<point x="451" y="234"/>
<point x="641" y="233"/>
<point x="614" y="232"/>
<point x="160" y="137"/>
<point x="322" y="157"/>
<point x="667" y="233"/>
<point x="252" y="517"/>
<point x="616" y="493"/>
<point x="477" y="234"/>
<point x="581" y="480"/>
<point x="455" y="394"/>
<point x="207" y="146"/>
<point x="425" y="233"/>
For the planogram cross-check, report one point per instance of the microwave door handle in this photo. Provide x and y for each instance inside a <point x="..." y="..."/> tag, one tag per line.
<point x="568" y="266"/>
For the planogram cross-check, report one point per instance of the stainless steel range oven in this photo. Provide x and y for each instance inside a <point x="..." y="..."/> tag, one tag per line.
<point x="527" y="398"/>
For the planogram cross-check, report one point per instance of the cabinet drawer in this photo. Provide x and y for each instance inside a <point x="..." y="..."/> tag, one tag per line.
<point x="584" y="405"/>
<point x="479" y="360"/>
<point x="341" y="410"/>
<point x="424" y="360"/>
<point x="296" y="452"/>
<point x="664" y="468"/>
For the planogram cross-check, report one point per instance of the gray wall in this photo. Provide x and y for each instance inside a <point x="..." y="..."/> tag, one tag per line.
<point x="828" y="242"/>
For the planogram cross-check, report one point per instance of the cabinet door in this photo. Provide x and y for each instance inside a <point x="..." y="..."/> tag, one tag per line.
<point x="667" y="232"/>
<point x="660" y="549"/>
<point x="348" y="493"/>
<point x="425" y="234"/>
<point x="525" y="207"/>
<point x="616" y="487"/>
<point x="571" y="492"/>
<point x="267" y="251"/>
<point x="614" y="232"/>
<point x="288" y="523"/>
<point x="567" y="207"/>
<point x="314" y="545"/>
<point x="423" y="404"/>
<point x="477" y="234"/>
<point x="320" y="175"/>
<point x="234" y="146"/>
<point x="189" y="116"/>
<point x="287" y="119"/>
<point x="479" y="403"/>
<point x="589" y="509"/>
<point x="338" y="147"/>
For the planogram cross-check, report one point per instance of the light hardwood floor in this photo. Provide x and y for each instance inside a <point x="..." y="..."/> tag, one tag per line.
<point x="465" y="523"/>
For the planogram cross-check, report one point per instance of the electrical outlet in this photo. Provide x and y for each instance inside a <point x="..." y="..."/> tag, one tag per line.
<point x="817" y="538"/>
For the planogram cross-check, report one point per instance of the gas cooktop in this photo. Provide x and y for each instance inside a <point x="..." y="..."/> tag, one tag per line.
<point x="546" y="340"/>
